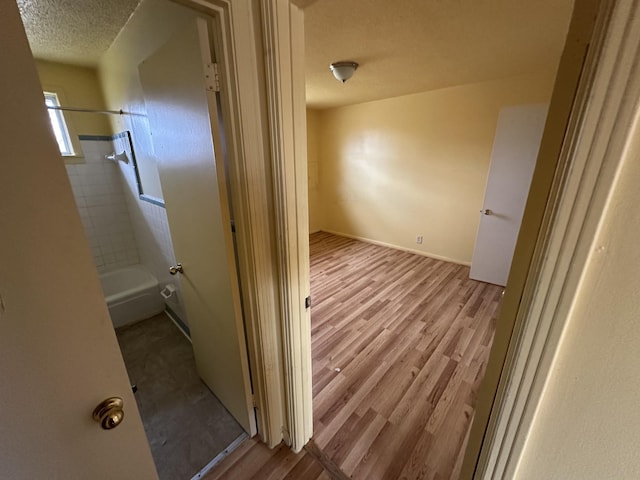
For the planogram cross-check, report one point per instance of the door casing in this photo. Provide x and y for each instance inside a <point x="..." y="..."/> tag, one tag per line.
<point x="238" y="52"/>
<point x="283" y="31"/>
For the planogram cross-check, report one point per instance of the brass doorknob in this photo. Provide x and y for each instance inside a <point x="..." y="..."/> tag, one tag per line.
<point x="109" y="413"/>
<point x="175" y="269"/>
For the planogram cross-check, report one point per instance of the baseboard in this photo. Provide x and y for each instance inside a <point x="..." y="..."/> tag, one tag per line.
<point x="397" y="247"/>
<point x="175" y="318"/>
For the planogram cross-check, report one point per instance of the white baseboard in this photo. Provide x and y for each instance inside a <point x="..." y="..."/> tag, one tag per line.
<point x="397" y="247"/>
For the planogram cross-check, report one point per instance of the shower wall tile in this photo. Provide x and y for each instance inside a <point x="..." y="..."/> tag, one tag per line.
<point x="121" y="228"/>
<point x="100" y="199"/>
<point x="151" y="229"/>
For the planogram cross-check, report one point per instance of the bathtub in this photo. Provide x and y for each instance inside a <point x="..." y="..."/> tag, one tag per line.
<point x="132" y="294"/>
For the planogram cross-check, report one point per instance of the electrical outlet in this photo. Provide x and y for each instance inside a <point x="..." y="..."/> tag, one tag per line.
<point x="419" y="239"/>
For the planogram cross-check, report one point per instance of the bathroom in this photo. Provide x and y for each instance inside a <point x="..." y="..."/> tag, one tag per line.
<point x="112" y="172"/>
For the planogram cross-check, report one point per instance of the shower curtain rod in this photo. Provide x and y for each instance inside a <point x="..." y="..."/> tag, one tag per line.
<point x="87" y="110"/>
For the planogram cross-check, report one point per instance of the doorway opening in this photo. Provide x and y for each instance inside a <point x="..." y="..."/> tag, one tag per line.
<point x="180" y="335"/>
<point x="400" y="334"/>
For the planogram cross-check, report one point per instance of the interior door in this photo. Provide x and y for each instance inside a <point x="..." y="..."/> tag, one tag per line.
<point x="515" y="150"/>
<point x="183" y="119"/>
<point x="58" y="352"/>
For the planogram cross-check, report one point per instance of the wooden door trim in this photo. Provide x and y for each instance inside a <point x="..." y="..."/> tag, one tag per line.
<point x="592" y="149"/>
<point x="560" y="220"/>
<point x="239" y="57"/>
<point x="283" y="38"/>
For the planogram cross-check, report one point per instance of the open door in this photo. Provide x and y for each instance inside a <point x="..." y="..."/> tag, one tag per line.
<point x="58" y="352"/>
<point x="182" y="108"/>
<point x="515" y="151"/>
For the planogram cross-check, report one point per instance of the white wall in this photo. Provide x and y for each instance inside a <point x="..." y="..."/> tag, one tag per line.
<point x="122" y="229"/>
<point x="587" y="424"/>
<point x="100" y="199"/>
<point x="59" y="354"/>
<point x="151" y="25"/>
<point x="150" y="229"/>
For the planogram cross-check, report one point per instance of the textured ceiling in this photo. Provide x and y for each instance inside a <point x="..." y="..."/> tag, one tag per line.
<point x="73" y="31"/>
<point x="402" y="47"/>
<point x="412" y="46"/>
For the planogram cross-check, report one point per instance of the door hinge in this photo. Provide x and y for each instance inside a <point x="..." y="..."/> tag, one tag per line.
<point x="253" y="400"/>
<point x="307" y="302"/>
<point x="212" y="77"/>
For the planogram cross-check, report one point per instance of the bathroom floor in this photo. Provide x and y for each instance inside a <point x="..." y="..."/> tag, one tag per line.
<point x="186" y="425"/>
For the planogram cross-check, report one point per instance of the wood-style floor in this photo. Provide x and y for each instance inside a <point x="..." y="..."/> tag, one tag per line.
<point x="400" y="343"/>
<point x="253" y="460"/>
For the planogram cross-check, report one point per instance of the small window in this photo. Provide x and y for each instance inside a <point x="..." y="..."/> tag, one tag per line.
<point x="58" y="124"/>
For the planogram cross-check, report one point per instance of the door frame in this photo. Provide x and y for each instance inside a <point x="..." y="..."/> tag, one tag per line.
<point x="555" y="236"/>
<point x="260" y="52"/>
<point x="601" y="124"/>
<point x="533" y="245"/>
<point x="238" y="53"/>
<point x="265" y="120"/>
<point x="283" y="39"/>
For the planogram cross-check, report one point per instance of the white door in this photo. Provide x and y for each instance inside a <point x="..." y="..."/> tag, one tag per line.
<point x="515" y="150"/>
<point x="182" y="113"/>
<point x="58" y="352"/>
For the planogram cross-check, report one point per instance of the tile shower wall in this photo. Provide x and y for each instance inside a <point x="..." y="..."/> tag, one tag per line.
<point x="151" y="229"/>
<point x="103" y="209"/>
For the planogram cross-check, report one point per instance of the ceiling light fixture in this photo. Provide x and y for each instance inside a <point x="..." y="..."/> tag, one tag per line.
<point x="343" y="71"/>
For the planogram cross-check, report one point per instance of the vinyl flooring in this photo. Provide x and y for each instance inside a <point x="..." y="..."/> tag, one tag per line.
<point x="254" y="460"/>
<point x="186" y="425"/>
<point x="400" y="343"/>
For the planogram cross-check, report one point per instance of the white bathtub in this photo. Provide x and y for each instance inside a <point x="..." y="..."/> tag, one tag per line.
<point x="132" y="294"/>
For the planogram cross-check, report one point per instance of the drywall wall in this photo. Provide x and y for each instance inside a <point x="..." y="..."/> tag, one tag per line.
<point x="313" y="169"/>
<point x="587" y="424"/>
<point x="150" y="26"/>
<point x="60" y="355"/>
<point x="579" y="38"/>
<point x="98" y="192"/>
<point x="416" y="165"/>
<point x="76" y="87"/>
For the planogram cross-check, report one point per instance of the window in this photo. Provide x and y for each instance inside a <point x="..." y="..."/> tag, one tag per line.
<point x="58" y="124"/>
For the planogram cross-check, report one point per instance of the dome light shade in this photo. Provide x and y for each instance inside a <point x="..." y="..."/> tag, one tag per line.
<point x="343" y="71"/>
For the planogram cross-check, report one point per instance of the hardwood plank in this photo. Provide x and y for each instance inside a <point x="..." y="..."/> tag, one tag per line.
<point x="254" y="460"/>
<point x="327" y="463"/>
<point x="359" y="451"/>
<point x="411" y="336"/>
<point x="240" y="454"/>
<point x="307" y="467"/>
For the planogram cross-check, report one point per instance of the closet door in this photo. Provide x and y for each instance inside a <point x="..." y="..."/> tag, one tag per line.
<point x="515" y="151"/>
